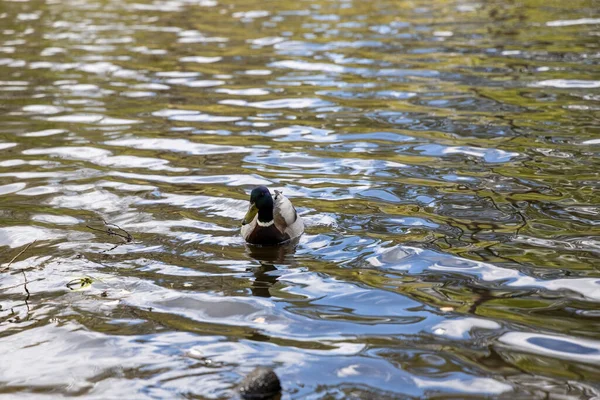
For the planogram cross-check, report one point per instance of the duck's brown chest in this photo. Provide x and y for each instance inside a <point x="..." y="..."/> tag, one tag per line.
<point x="269" y="235"/>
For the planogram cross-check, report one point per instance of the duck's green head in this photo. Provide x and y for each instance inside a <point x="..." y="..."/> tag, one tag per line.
<point x="261" y="203"/>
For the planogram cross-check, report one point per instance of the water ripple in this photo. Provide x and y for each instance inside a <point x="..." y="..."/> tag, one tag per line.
<point x="176" y="145"/>
<point x="443" y="157"/>
<point x="280" y="103"/>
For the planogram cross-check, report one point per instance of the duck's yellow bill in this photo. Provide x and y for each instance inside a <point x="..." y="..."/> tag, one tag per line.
<point x="252" y="211"/>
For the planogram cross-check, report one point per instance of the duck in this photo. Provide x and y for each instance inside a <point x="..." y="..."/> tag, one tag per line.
<point x="270" y="220"/>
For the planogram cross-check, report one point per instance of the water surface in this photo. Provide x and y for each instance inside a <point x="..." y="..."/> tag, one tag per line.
<point x="444" y="156"/>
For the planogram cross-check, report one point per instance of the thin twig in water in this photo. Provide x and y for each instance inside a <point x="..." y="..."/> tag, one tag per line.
<point x="129" y="238"/>
<point x="112" y="248"/>
<point x="26" y="290"/>
<point x="109" y="231"/>
<point x="17" y="256"/>
<point x="21" y="284"/>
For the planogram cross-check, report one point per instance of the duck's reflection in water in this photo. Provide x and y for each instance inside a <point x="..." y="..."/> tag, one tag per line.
<point x="265" y="275"/>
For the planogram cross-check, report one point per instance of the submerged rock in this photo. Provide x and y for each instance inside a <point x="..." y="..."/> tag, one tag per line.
<point x="260" y="384"/>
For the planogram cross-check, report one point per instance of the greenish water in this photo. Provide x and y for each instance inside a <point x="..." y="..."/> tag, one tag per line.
<point x="443" y="154"/>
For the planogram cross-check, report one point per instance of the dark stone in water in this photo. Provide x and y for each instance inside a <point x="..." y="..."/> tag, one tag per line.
<point x="260" y="384"/>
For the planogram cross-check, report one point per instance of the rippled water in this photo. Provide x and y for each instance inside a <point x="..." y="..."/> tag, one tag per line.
<point x="444" y="155"/>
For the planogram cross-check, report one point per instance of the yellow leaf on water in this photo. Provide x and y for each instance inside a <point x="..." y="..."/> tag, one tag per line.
<point x="80" y="283"/>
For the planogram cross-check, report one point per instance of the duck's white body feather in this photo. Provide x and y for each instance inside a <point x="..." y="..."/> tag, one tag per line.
<point x="285" y="218"/>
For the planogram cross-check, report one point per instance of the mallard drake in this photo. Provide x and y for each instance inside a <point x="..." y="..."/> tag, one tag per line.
<point x="270" y="219"/>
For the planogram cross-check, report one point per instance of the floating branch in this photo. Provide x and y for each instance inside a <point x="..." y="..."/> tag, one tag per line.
<point x="26" y="291"/>
<point x="120" y="232"/>
<point x="24" y="284"/>
<point x="113" y="230"/>
<point x="17" y="256"/>
<point x="21" y="284"/>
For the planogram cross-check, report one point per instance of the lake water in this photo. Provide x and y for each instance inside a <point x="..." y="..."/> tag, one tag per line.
<point x="443" y="154"/>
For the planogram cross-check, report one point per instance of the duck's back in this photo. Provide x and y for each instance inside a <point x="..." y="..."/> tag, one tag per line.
<point x="285" y="216"/>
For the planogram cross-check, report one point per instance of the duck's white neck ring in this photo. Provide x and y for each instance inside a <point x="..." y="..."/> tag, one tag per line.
<point x="265" y="224"/>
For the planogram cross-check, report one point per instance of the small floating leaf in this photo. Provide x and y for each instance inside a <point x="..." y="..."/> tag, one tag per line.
<point x="80" y="283"/>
